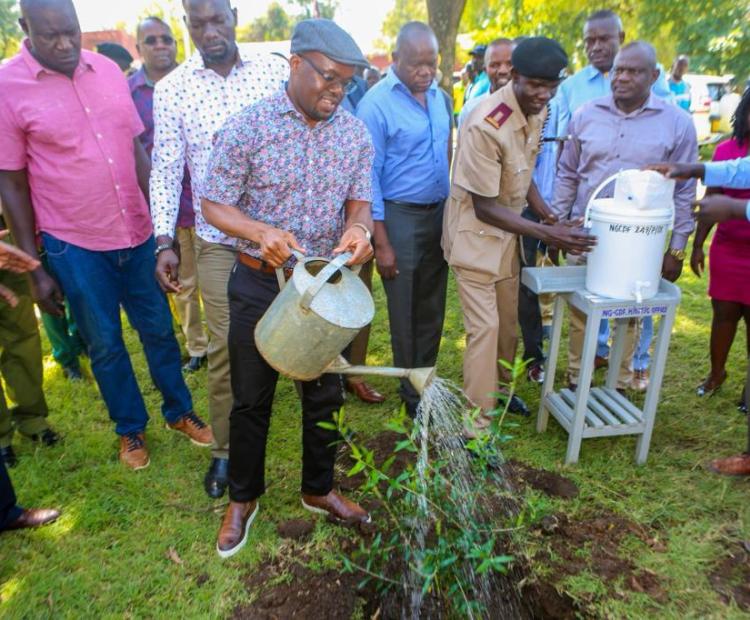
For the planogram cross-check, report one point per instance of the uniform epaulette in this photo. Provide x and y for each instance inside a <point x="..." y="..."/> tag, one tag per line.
<point x="499" y="115"/>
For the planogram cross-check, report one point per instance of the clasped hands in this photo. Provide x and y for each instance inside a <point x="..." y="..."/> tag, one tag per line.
<point x="276" y="246"/>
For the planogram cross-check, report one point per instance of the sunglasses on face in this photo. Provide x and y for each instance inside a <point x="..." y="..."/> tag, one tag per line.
<point x="152" y="39"/>
<point x="348" y="86"/>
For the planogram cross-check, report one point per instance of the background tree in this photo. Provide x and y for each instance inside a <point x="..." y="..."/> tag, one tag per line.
<point x="317" y="8"/>
<point x="444" y="17"/>
<point x="275" y="25"/>
<point x="714" y="33"/>
<point x="10" y="32"/>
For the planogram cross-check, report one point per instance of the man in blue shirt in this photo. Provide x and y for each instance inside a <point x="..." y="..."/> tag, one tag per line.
<point x="410" y="120"/>
<point x="480" y="85"/>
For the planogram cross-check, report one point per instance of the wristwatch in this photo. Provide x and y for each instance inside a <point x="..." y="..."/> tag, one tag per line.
<point x="161" y="247"/>
<point x="678" y="254"/>
<point x="368" y="234"/>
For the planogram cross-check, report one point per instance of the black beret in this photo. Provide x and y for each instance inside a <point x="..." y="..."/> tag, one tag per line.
<point x="541" y="58"/>
<point x="478" y="50"/>
<point x="326" y="37"/>
<point x="114" y="51"/>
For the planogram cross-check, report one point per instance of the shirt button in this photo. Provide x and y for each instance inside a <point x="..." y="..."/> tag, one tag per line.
<point x="117" y="187"/>
<point x="481" y="232"/>
<point x="87" y="110"/>
<point x="110" y="161"/>
<point x="99" y="136"/>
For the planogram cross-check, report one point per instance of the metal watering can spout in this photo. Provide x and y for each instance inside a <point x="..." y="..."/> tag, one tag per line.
<point x="420" y="378"/>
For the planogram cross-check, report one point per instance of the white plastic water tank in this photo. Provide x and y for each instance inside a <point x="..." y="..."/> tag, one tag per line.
<point x="631" y="230"/>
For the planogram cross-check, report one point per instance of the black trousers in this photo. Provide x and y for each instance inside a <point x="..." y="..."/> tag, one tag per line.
<point x="9" y="510"/>
<point x="253" y="385"/>
<point x="529" y="313"/>
<point x="416" y="296"/>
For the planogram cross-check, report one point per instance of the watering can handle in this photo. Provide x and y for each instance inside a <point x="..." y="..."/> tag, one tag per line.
<point x="602" y="185"/>
<point x="335" y="265"/>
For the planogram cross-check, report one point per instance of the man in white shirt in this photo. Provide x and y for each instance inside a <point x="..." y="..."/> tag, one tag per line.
<point x="190" y="105"/>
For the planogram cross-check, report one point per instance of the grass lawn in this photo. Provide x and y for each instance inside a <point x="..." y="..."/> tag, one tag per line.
<point x="142" y="544"/>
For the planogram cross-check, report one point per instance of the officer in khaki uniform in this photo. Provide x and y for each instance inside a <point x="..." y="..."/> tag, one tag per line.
<point x="497" y="149"/>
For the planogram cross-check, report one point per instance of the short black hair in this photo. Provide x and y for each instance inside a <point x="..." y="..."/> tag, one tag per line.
<point x="150" y="18"/>
<point x="740" y="127"/>
<point x="605" y="14"/>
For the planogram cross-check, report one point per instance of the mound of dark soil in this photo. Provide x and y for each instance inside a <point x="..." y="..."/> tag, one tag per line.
<point x="731" y="576"/>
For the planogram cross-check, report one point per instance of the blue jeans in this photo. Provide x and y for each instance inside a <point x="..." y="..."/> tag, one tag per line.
<point x="602" y="339"/>
<point x="642" y="357"/>
<point x="96" y="284"/>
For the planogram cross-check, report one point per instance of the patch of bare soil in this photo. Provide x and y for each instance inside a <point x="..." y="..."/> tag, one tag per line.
<point x="286" y="588"/>
<point x="593" y="544"/>
<point x="731" y="576"/>
<point x="547" y="482"/>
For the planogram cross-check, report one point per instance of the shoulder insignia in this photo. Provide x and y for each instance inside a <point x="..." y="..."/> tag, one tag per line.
<point x="499" y="115"/>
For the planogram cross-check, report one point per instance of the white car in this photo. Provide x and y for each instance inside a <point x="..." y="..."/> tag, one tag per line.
<point x="709" y="116"/>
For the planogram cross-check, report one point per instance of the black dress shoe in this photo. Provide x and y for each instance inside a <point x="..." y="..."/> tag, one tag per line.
<point x="7" y="455"/>
<point x="194" y="364"/>
<point x="72" y="373"/>
<point x="516" y="405"/>
<point x="217" y="478"/>
<point x="48" y="437"/>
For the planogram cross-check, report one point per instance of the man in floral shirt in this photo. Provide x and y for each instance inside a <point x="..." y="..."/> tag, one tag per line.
<point x="291" y="171"/>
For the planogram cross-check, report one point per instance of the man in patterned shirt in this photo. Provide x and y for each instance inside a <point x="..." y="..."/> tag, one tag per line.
<point x="291" y="171"/>
<point x="190" y="106"/>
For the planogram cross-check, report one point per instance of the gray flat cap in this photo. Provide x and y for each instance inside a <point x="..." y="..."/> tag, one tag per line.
<point x="324" y="36"/>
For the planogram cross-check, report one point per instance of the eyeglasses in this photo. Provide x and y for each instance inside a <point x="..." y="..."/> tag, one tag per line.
<point x="152" y="39"/>
<point x="348" y="86"/>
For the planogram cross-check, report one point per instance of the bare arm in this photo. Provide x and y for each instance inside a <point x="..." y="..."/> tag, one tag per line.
<point x="274" y="243"/>
<point x="539" y="206"/>
<point x="16" y="198"/>
<point x="142" y="167"/>
<point x="563" y="236"/>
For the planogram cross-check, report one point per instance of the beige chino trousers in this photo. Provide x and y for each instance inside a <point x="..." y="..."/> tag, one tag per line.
<point x="215" y="262"/>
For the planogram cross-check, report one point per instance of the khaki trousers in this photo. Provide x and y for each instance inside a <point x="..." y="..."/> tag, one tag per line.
<point x="215" y="262"/>
<point x="575" y="341"/>
<point x="490" y="312"/>
<point x="187" y="303"/>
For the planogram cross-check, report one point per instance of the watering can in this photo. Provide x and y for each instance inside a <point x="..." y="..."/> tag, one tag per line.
<point x="316" y="315"/>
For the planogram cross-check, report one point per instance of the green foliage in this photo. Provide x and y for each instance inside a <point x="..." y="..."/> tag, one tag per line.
<point x="443" y="526"/>
<point x="278" y="23"/>
<point x="10" y="32"/>
<point x="403" y="11"/>
<point x="714" y="33"/>
<point x="275" y="25"/>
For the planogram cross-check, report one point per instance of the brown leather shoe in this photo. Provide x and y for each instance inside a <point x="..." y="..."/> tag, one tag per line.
<point x="337" y="507"/>
<point x="738" y="465"/>
<point x="235" y="527"/>
<point x="600" y="362"/>
<point x="365" y="392"/>
<point x="34" y="517"/>
<point x="196" y="429"/>
<point x="133" y="452"/>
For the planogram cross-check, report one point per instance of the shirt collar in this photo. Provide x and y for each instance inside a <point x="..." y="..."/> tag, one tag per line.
<point x="517" y="119"/>
<point x="652" y="103"/>
<point x="284" y="106"/>
<point x="393" y="81"/>
<point x="35" y="67"/>
<point x="139" y="79"/>
<point x="195" y="63"/>
<point x="592" y="73"/>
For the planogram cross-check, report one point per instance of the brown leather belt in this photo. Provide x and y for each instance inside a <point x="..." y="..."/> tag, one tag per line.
<point x="261" y="265"/>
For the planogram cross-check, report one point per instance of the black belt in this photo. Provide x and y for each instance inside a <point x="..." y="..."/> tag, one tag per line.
<point x="414" y="205"/>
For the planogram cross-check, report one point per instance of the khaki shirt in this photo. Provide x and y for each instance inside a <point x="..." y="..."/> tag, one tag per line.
<point x="497" y="149"/>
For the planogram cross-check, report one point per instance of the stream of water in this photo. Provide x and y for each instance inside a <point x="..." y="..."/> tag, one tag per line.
<point x="439" y="428"/>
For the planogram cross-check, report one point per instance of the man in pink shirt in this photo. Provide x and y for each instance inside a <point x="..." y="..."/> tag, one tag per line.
<point x="72" y="169"/>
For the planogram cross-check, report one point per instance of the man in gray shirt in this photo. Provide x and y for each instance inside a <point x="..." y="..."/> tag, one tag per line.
<point x="627" y="129"/>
